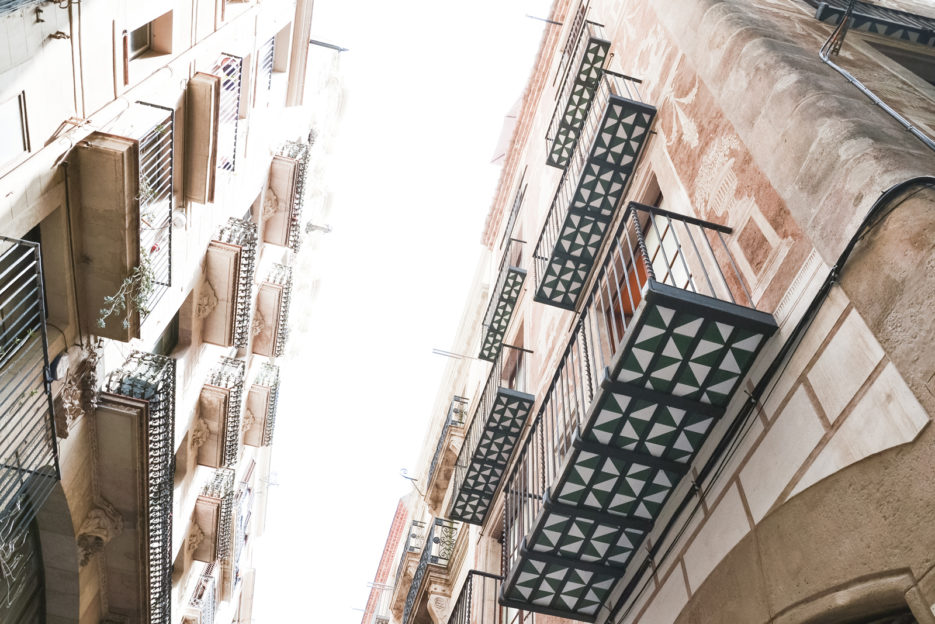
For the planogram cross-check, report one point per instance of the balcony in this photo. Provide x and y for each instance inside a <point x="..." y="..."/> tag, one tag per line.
<point x="408" y="561"/>
<point x="285" y="197"/>
<point x="124" y="219"/>
<point x="229" y="69"/>
<point x="879" y="20"/>
<point x="214" y="509"/>
<point x="262" y="399"/>
<point x="135" y="428"/>
<point x="203" y="603"/>
<point x="217" y="432"/>
<point x="446" y="453"/>
<point x="496" y="423"/>
<point x="510" y="278"/>
<point x="477" y="602"/>
<point x="666" y="335"/>
<point x="271" y="322"/>
<point x="27" y="437"/>
<point x="592" y="185"/>
<point x="585" y="53"/>
<point x="431" y="574"/>
<point x="225" y="304"/>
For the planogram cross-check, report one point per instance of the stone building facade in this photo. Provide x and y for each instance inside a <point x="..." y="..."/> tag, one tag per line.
<point x="152" y="177"/>
<point x="698" y="374"/>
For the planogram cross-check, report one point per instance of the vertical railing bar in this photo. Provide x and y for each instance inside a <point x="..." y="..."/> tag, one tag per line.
<point x="730" y="257"/>
<point x="717" y="265"/>
<point x="680" y="255"/>
<point x="650" y="271"/>
<point x="662" y="249"/>
<point x="704" y="270"/>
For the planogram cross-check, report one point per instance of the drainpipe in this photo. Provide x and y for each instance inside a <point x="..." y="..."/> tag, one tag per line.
<point x="833" y="45"/>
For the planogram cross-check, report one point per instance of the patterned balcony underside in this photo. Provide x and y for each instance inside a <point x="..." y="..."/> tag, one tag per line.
<point x="879" y="20"/>
<point x="602" y="181"/>
<point x="673" y="379"/>
<point x="506" y="301"/>
<point x="501" y="431"/>
<point x="579" y="102"/>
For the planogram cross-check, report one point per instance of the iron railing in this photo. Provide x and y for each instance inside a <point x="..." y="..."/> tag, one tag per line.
<point x="414" y="542"/>
<point x="157" y="170"/>
<point x="508" y="371"/>
<point x="650" y="244"/>
<point x="514" y="210"/>
<point x="244" y="511"/>
<point x="151" y="378"/>
<point x="27" y="431"/>
<point x="457" y="412"/>
<point x="268" y="376"/>
<point x="438" y="549"/>
<point x="243" y="233"/>
<point x="571" y="43"/>
<point x="879" y="20"/>
<point x="576" y="94"/>
<point x="229" y="374"/>
<point x="204" y="598"/>
<point x="221" y="487"/>
<point x="281" y="275"/>
<point x="229" y="69"/>
<point x="267" y="56"/>
<point x="611" y="86"/>
<point x="477" y="601"/>
<point x="500" y="308"/>
<point x="300" y="153"/>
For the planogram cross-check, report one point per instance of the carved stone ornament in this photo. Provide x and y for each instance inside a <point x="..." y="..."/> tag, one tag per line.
<point x="195" y="537"/>
<point x="249" y="420"/>
<point x="438" y="608"/>
<point x="259" y="324"/>
<point x="271" y="204"/>
<point x="101" y="525"/>
<point x="72" y="400"/>
<point x="199" y="433"/>
<point x="207" y="301"/>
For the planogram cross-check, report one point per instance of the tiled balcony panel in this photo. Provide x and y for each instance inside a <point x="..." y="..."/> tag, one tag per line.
<point x="271" y="321"/>
<point x="228" y="293"/>
<point x="510" y="279"/>
<point x="262" y="402"/>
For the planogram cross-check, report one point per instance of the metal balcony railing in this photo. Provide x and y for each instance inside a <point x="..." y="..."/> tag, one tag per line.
<point x="244" y="507"/>
<point x="157" y="171"/>
<point x="229" y="69"/>
<point x="506" y="291"/>
<point x="300" y="152"/>
<point x="457" y="414"/>
<point x="204" y="598"/>
<point x="281" y="275"/>
<point x="268" y="376"/>
<point x="477" y="601"/>
<point x="229" y="375"/>
<point x="498" y="419"/>
<point x="588" y="50"/>
<point x="664" y="338"/>
<point x="438" y="549"/>
<point x="243" y="233"/>
<point x="610" y="140"/>
<point x="151" y="378"/>
<point x="221" y="487"/>
<point x="414" y="542"/>
<point x="27" y="431"/>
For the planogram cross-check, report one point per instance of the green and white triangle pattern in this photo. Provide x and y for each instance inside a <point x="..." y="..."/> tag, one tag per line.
<point x="584" y="539"/>
<point x="650" y="428"/>
<point x="563" y="280"/>
<point x="719" y="361"/>
<point x="560" y="588"/>
<point x="581" y="236"/>
<point x="470" y="507"/>
<point x="506" y="301"/>
<point x="598" y="190"/>
<point x="622" y="133"/>
<point x="614" y="485"/>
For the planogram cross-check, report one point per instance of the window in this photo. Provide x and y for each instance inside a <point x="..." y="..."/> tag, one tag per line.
<point x="13" y="129"/>
<point x="140" y="40"/>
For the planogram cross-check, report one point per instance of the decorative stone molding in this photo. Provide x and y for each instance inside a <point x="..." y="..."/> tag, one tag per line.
<point x="101" y="525"/>
<point x="259" y="324"/>
<point x="249" y="420"/>
<point x="207" y="300"/>
<point x="271" y="204"/>
<point x="438" y="608"/>
<point x="199" y="433"/>
<point x="195" y="537"/>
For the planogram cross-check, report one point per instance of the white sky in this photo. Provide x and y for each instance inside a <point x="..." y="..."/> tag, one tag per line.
<point x="426" y="86"/>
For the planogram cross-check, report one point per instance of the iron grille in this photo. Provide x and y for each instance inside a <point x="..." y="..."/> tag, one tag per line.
<point x="879" y="20"/>
<point x="229" y="69"/>
<point x="8" y="6"/>
<point x="27" y="431"/>
<point x="438" y="548"/>
<point x="229" y="374"/>
<point x="151" y="378"/>
<point x="414" y="542"/>
<point x="156" y="160"/>
<point x="243" y="233"/>
<point x="244" y="510"/>
<point x="281" y="275"/>
<point x="268" y="376"/>
<point x="477" y="601"/>
<point x="221" y="487"/>
<point x="457" y="412"/>
<point x="204" y="598"/>
<point x="267" y="54"/>
<point x="300" y="153"/>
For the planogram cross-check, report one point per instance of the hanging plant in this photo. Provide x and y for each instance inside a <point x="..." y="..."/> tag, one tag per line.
<point x="133" y="294"/>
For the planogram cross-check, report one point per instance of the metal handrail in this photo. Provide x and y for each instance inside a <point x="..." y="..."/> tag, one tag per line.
<point x="583" y="33"/>
<point x="414" y="542"/>
<point x="243" y="233"/>
<point x="438" y="549"/>
<point x="229" y="374"/>
<point x="457" y="411"/>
